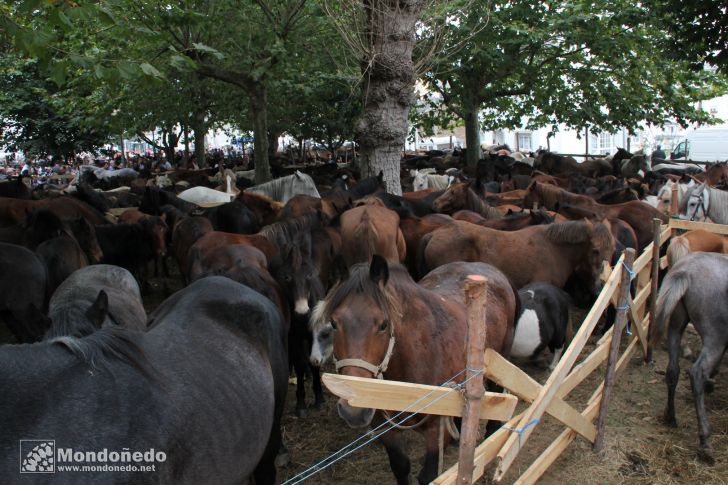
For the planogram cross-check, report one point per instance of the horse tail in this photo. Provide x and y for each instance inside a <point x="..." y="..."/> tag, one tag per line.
<point x="672" y="291"/>
<point x="679" y="248"/>
<point x="420" y="263"/>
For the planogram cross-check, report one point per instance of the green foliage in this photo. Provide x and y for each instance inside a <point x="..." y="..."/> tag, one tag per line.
<point x="596" y="64"/>
<point x="39" y="118"/>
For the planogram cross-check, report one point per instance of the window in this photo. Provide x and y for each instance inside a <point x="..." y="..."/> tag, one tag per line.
<point x="523" y="142"/>
<point x="602" y="143"/>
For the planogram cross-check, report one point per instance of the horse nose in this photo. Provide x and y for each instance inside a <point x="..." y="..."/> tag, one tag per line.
<point x="354" y="417"/>
<point x="301" y="306"/>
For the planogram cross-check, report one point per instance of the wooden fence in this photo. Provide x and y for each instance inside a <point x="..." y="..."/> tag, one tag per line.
<point x="500" y="450"/>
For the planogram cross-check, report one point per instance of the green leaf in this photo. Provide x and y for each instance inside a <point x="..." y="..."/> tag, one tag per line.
<point x="150" y="70"/>
<point x="208" y="50"/>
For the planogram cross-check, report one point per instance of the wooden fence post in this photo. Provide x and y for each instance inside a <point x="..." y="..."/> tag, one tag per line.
<point x="674" y="202"/>
<point x="619" y="323"/>
<point x="475" y="295"/>
<point x="654" y="283"/>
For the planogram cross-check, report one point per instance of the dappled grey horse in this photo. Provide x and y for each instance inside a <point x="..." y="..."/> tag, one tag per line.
<point x="93" y="297"/>
<point x="205" y="386"/>
<point x="694" y="290"/>
<point x="282" y="189"/>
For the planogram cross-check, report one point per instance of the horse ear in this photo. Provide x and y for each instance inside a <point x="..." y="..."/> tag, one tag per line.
<point x="339" y="271"/>
<point x="380" y="175"/>
<point x="510" y="212"/>
<point x="379" y="270"/>
<point x="99" y="309"/>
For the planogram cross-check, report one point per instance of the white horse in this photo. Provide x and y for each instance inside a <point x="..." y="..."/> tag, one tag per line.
<point x="284" y="188"/>
<point x="424" y="180"/>
<point x="663" y="200"/>
<point x="703" y="202"/>
<point x="204" y="196"/>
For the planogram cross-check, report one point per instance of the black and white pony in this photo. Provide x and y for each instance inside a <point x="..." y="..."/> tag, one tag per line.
<point x="205" y="386"/>
<point x="542" y="323"/>
<point x="282" y="189"/>
<point x="703" y="202"/>
<point x="694" y="290"/>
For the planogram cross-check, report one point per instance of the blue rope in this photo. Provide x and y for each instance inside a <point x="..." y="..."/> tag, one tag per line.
<point x="520" y="431"/>
<point x="631" y="273"/>
<point x="317" y="468"/>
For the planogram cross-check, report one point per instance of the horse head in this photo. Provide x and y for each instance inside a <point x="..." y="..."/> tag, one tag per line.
<point x="452" y="199"/>
<point x="297" y="273"/>
<point x="696" y="204"/>
<point x="362" y="312"/>
<point x="601" y="251"/>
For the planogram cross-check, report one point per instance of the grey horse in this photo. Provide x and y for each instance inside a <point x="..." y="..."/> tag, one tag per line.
<point x="96" y="296"/>
<point x="694" y="291"/>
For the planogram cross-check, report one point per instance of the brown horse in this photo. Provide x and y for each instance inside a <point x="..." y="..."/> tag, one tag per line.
<point x="378" y="322"/>
<point x="371" y="229"/>
<point x="462" y="197"/>
<point x="567" y="247"/>
<point x="14" y="211"/>
<point x="414" y="229"/>
<point x="184" y="234"/>
<point x="694" y="241"/>
<point x="512" y="221"/>
<point x="636" y="213"/>
<point x="264" y="208"/>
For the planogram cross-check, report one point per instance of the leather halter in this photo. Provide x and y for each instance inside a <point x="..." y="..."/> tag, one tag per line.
<point x="702" y="205"/>
<point x="379" y="370"/>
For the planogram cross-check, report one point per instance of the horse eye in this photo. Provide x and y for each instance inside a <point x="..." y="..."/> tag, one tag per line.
<point x="325" y="335"/>
<point x="333" y="324"/>
<point x="383" y="326"/>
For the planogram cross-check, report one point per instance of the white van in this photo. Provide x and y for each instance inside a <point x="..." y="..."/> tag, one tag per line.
<point x="706" y="144"/>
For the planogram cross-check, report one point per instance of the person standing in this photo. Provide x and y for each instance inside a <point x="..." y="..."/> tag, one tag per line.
<point x="27" y="170"/>
<point x="658" y="154"/>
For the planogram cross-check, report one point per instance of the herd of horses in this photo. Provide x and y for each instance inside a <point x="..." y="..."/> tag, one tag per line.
<point x="314" y="267"/>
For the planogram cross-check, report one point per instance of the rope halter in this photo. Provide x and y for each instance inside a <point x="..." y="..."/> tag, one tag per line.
<point x="377" y="370"/>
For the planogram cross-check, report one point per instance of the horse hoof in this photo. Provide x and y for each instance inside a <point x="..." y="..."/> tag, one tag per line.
<point x="320" y="406"/>
<point x="301" y="413"/>
<point x="706" y="455"/>
<point x="669" y="421"/>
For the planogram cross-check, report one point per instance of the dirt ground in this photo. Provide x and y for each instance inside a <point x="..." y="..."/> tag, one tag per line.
<point x="639" y="449"/>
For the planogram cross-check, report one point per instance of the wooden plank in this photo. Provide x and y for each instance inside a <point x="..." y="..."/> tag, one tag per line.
<point x="663" y="262"/>
<point x="641" y="297"/>
<point x="666" y="234"/>
<point x="513" y="445"/>
<point x="504" y="373"/>
<point x="586" y="367"/>
<point x="653" y="287"/>
<point x="475" y="299"/>
<point x="692" y="225"/>
<point x="644" y="259"/>
<point x="364" y="392"/>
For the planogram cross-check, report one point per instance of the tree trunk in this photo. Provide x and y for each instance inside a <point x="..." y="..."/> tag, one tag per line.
<point x="259" y="110"/>
<point x="273" y="143"/>
<point x="199" y="129"/>
<point x="186" y="157"/>
<point x="387" y="88"/>
<point x="472" y="136"/>
<point x="123" y="153"/>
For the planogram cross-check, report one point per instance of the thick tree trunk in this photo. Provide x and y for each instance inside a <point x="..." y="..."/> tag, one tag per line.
<point x="199" y="129"/>
<point x="472" y="137"/>
<point x="387" y="88"/>
<point x="259" y="110"/>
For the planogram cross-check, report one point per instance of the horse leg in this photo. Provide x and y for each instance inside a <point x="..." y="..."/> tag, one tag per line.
<point x="298" y="359"/>
<point x="399" y="462"/>
<point x="705" y="365"/>
<point x="320" y="402"/>
<point x="672" y="373"/>
<point x="432" y="450"/>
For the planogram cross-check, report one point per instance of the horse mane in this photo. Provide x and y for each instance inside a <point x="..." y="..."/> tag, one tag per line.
<point x="365" y="187"/>
<point x="476" y="204"/>
<point x="570" y="232"/>
<point x="69" y="321"/>
<point x="359" y="282"/>
<point x="370" y="200"/>
<point x="283" y="233"/>
<point x="551" y="195"/>
<point x="100" y="349"/>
